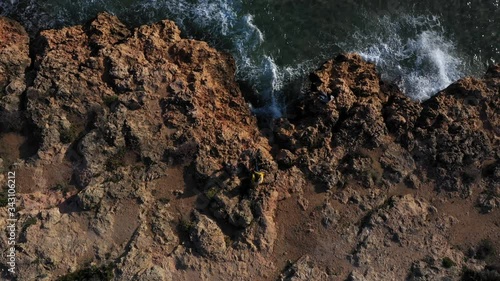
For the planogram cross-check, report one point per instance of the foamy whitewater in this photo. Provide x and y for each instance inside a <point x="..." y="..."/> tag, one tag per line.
<point x="422" y="63"/>
<point x="277" y="43"/>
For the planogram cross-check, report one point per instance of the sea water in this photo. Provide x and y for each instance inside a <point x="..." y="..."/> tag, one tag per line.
<point x="422" y="46"/>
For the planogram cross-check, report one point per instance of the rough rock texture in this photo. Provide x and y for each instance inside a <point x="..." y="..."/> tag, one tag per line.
<point x="302" y="270"/>
<point x="208" y="237"/>
<point x="14" y="52"/>
<point x="136" y="151"/>
<point x="360" y="139"/>
<point x="353" y="122"/>
<point x="134" y="116"/>
<point x="402" y="227"/>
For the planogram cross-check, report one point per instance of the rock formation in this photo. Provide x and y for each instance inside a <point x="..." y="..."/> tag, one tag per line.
<point x="135" y="155"/>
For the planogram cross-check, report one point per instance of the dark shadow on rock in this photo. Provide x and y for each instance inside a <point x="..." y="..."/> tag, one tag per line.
<point x="190" y="184"/>
<point x="320" y="187"/>
<point x="69" y="206"/>
<point x="24" y="127"/>
<point x="30" y="146"/>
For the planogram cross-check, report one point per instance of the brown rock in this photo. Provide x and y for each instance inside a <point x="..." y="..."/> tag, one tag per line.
<point x="156" y="131"/>
<point x="303" y="269"/>
<point x="207" y="237"/>
<point x="14" y="62"/>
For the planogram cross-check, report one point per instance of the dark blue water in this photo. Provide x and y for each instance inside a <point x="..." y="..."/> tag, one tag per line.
<point x="425" y="45"/>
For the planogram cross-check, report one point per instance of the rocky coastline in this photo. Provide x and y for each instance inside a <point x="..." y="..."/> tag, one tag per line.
<point x="137" y="158"/>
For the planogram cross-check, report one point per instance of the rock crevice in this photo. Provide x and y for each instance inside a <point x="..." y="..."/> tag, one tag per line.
<point x="139" y="159"/>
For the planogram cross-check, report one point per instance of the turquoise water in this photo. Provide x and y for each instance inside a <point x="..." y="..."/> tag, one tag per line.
<point x="276" y="43"/>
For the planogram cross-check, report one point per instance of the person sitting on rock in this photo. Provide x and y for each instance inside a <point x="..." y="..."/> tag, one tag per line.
<point x="257" y="178"/>
<point x="257" y="175"/>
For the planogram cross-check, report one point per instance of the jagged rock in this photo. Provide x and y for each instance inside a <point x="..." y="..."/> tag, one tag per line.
<point x="402" y="222"/>
<point x="265" y="209"/>
<point x="489" y="200"/>
<point x="105" y="31"/>
<point x="241" y="216"/>
<point x="14" y="61"/>
<point x="155" y="126"/>
<point x="397" y="163"/>
<point x="14" y="51"/>
<point x="350" y="112"/>
<point x="161" y="226"/>
<point x="303" y="269"/>
<point x="330" y="215"/>
<point x="222" y="206"/>
<point x="431" y="269"/>
<point x="454" y="133"/>
<point x="400" y="114"/>
<point x="233" y="210"/>
<point x="412" y="181"/>
<point x="113" y="101"/>
<point x="207" y="237"/>
<point x="283" y="134"/>
<point x="91" y="197"/>
<point x="356" y="276"/>
<point x="285" y="158"/>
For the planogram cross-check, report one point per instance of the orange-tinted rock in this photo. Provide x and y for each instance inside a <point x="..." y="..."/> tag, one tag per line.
<point x="147" y="141"/>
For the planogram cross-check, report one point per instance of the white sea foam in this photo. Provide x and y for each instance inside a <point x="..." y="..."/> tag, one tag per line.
<point x="413" y="51"/>
<point x="410" y="49"/>
<point x="239" y="34"/>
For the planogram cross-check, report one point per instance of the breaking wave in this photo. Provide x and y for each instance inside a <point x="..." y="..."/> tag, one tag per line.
<point x="413" y="51"/>
<point x="422" y="62"/>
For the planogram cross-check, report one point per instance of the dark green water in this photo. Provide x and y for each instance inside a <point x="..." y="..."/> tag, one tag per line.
<point x="426" y="45"/>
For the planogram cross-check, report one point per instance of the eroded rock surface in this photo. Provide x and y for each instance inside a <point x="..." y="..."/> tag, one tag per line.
<point x="136" y="115"/>
<point x="353" y="122"/>
<point x="136" y="152"/>
<point x="14" y="51"/>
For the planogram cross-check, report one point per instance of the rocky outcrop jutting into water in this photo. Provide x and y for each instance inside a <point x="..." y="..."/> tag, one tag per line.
<point x="136" y="157"/>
